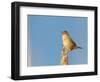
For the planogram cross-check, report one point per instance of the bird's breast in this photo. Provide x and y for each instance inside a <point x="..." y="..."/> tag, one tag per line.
<point x="68" y="44"/>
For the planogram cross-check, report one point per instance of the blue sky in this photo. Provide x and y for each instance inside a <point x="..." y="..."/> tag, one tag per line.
<point x="44" y="38"/>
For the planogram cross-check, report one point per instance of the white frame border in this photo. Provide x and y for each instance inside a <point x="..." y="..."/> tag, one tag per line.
<point x="24" y="70"/>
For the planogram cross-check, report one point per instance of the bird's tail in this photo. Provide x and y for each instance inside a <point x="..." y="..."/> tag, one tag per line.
<point x="78" y="47"/>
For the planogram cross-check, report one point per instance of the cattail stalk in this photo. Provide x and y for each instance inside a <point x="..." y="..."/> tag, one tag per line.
<point x="64" y="57"/>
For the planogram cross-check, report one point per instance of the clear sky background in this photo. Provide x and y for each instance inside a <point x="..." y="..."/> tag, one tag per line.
<point x="45" y="40"/>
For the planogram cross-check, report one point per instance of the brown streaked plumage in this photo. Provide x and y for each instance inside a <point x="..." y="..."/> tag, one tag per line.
<point x="68" y="45"/>
<point x="67" y="41"/>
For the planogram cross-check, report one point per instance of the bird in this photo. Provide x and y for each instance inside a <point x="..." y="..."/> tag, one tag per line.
<point x="68" y="44"/>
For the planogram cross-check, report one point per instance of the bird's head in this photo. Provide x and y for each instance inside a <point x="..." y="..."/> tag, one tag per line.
<point x="65" y="34"/>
